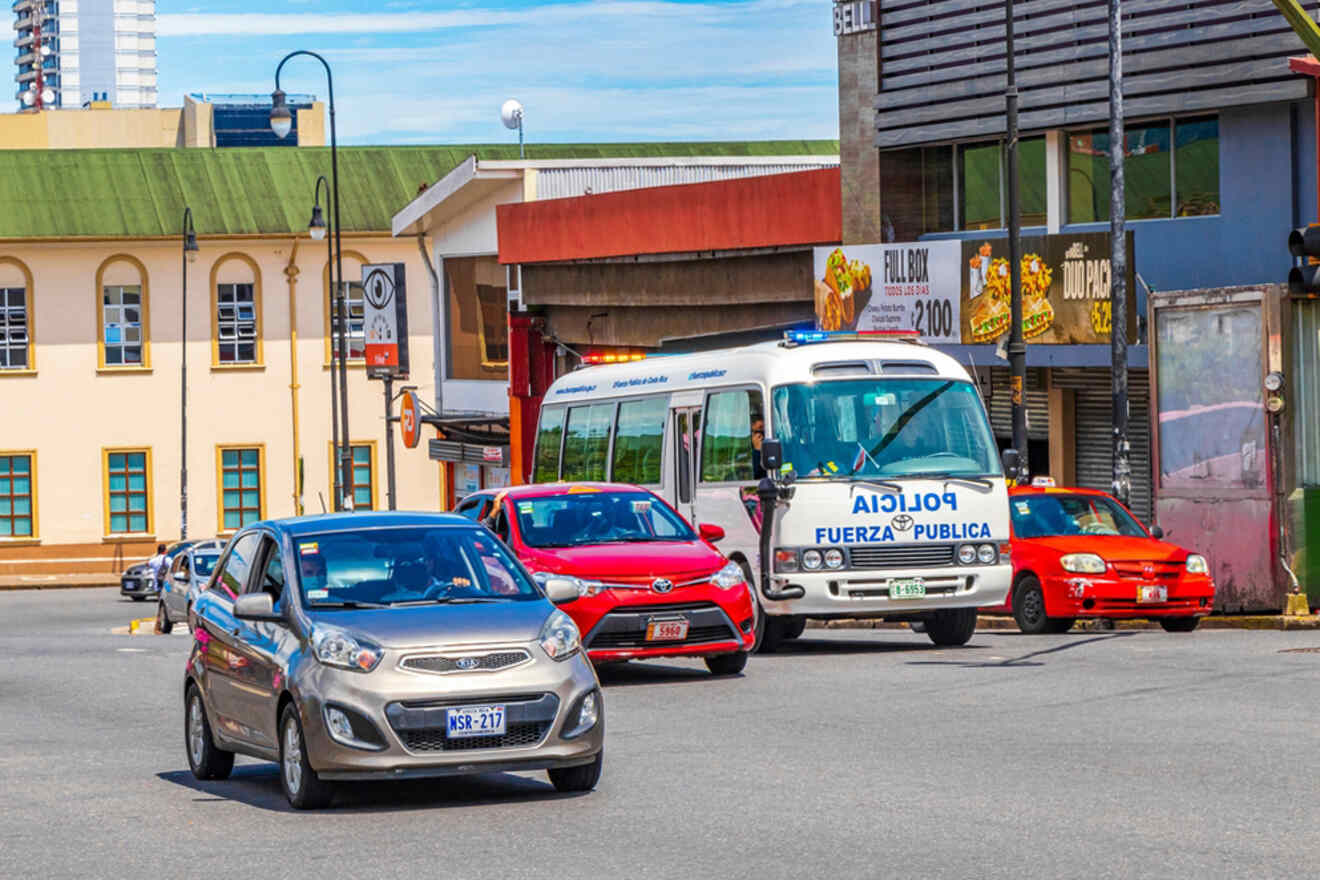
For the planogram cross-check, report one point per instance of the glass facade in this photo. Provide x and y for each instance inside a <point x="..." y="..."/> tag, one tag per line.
<point x="1170" y="169"/>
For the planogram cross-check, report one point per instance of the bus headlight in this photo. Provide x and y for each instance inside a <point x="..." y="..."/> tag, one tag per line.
<point x="811" y="560"/>
<point x="1196" y="564"/>
<point x="833" y="558"/>
<point x="1083" y="563"/>
<point x="986" y="554"/>
<point x="966" y="554"/>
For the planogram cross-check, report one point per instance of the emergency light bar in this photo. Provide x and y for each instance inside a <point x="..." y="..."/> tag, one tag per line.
<point x="808" y="337"/>
<point x="613" y="357"/>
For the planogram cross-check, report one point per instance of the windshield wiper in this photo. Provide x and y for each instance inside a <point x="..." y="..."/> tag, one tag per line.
<point x="446" y="600"/>
<point x="947" y="476"/>
<point x="349" y="603"/>
<point x="876" y="484"/>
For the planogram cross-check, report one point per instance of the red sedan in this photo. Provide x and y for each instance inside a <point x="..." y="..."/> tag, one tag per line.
<point x="649" y="585"/>
<point x="1080" y="553"/>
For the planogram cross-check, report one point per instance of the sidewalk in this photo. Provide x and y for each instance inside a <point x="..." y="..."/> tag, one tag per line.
<point x="56" y="581"/>
<point x="987" y="622"/>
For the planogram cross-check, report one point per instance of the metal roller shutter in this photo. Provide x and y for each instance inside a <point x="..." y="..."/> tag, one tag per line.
<point x="1000" y="405"/>
<point x="1095" y="458"/>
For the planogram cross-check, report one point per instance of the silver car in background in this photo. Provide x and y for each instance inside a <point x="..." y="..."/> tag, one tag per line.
<point x="188" y="575"/>
<point x="386" y="646"/>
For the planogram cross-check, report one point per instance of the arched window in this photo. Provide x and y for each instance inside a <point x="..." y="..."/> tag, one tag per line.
<point x="236" y="312"/>
<point x="16" y="354"/>
<point x="353" y="307"/>
<point x="123" y="315"/>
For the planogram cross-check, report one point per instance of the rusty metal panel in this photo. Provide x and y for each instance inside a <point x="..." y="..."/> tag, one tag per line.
<point x="1233" y="534"/>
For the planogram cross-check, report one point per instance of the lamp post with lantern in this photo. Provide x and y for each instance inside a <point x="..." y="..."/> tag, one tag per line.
<point x="281" y="122"/>
<point x="189" y="235"/>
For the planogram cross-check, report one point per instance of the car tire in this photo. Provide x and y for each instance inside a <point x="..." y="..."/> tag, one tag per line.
<point x="302" y="787"/>
<point x="1029" y="609"/>
<point x="758" y="613"/>
<point x="773" y="634"/>
<point x="794" y="627"/>
<point x="205" y="758"/>
<point x="1179" y="624"/>
<point x="727" y="664"/>
<point x="164" y="626"/>
<point x="577" y="779"/>
<point x="953" y="628"/>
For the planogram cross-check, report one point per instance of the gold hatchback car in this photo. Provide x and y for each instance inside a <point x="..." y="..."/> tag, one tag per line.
<point x="386" y="646"/>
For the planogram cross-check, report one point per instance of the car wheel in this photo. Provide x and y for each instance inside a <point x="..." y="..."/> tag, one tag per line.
<point x="727" y="664"/>
<point x="1029" y="607"/>
<point x="950" y="629"/>
<point x="758" y="613"/>
<point x="794" y="626"/>
<point x="303" y="788"/>
<point x="163" y="624"/>
<point x="774" y="633"/>
<point x="1179" y="624"/>
<point x="580" y="778"/>
<point x="205" y="759"/>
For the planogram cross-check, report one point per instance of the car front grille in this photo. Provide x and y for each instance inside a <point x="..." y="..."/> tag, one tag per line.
<point x="483" y="662"/>
<point x="696" y="635"/>
<point x="901" y="556"/>
<point x="1158" y="570"/>
<point x="433" y="739"/>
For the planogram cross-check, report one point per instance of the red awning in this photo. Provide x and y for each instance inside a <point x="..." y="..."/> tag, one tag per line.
<point x="772" y="210"/>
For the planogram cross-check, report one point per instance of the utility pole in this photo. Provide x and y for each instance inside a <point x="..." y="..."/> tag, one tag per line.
<point x="1122" y="482"/>
<point x="1017" y="346"/>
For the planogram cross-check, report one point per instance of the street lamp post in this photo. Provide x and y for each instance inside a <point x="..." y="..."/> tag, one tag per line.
<point x="281" y="122"/>
<point x="1017" y="346"/>
<point x="189" y="255"/>
<point x="316" y="229"/>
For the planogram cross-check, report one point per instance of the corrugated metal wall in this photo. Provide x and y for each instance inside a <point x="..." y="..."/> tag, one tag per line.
<point x="1000" y="404"/>
<point x="942" y="63"/>
<point x="1304" y="393"/>
<point x="558" y="183"/>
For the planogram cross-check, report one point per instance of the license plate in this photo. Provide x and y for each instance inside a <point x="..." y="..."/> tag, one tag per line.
<point x="907" y="588"/>
<point x="1152" y="593"/>
<point x="475" y="721"/>
<point x="666" y="630"/>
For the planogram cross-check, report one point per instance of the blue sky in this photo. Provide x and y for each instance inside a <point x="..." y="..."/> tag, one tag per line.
<point x="423" y="71"/>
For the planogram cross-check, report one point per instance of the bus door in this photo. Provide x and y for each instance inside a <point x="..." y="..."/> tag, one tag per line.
<point x="686" y="421"/>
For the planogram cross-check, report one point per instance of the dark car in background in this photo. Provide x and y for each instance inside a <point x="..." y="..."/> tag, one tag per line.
<point x="189" y="572"/>
<point x="137" y="583"/>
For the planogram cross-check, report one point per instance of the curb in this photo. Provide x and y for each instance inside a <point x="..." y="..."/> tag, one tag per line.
<point x="988" y="622"/>
<point x="55" y="582"/>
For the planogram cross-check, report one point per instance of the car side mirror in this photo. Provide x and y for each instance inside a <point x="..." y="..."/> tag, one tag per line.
<point x="1011" y="459"/>
<point x="710" y="532"/>
<point x="772" y="455"/>
<point x="560" y="590"/>
<point x="255" y="606"/>
<point x="1156" y="532"/>
<point x="181" y="576"/>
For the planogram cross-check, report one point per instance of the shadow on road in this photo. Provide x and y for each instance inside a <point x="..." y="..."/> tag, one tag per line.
<point x="258" y="785"/>
<point x="1025" y="659"/>
<point x="647" y="672"/>
<point x="811" y="647"/>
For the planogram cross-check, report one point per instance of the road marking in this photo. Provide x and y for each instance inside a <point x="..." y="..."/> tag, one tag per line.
<point x="131" y="650"/>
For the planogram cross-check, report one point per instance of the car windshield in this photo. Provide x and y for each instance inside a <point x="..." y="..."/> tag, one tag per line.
<point x="204" y="563"/>
<point x="1044" y="516"/>
<point x="899" y="427"/>
<point x="408" y="565"/>
<point x="598" y="517"/>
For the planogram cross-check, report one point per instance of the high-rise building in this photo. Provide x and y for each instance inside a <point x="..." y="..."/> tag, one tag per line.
<point x="92" y="50"/>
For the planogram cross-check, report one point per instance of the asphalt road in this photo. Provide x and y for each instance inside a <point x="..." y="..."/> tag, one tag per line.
<point x="862" y="753"/>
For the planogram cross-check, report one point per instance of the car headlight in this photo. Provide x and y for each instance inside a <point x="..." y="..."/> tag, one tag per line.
<point x="966" y="554"/>
<point x="1083" y="563"/>
<point x="786" y="560"/>
<point x="1196" y="564"/>
<point x="728" y="577"/>
<point x="336" y="647"/>
<point x="833" y="558"/>
<point x="811" y="559"/>
<point x="559" y="636"/>
<point x="986" y="554"/>
<point x="584" y="588"/>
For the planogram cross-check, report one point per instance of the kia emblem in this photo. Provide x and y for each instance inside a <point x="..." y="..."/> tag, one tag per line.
<point x="902" y="522"/>
<point x="662" y="585"/>
<point x="467" y="663"/>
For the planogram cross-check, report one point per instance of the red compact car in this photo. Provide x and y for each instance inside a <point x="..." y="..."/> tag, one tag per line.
<point x="649" y="585"/>
<point x="1080" y="553"/>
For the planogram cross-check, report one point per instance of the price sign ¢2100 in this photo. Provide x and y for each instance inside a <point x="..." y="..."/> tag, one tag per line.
<point x="907" y="287"/>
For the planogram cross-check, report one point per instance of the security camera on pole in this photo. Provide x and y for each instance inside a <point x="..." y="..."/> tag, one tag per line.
<point x="511" y="114"/>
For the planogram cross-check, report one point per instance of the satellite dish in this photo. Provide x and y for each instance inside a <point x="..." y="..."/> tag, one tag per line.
<point x="45" y="51"/>
<point x="511" y="113"/>
<point x="29" y="98"/>
<point x="47" y="96"/>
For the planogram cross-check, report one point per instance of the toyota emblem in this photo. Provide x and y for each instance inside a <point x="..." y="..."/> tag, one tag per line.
<point x="902" y="522"/>
<point x="662" y="585"/>
<point x="467" y="663"/>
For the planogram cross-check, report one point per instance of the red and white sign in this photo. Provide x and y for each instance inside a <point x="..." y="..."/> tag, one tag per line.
<point x="385" y="319"/>
<point x="492" y="453"/>
<point x="409" y="424"/>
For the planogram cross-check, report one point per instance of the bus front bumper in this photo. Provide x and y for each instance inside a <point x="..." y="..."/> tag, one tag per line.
<point x="867" y="593"/>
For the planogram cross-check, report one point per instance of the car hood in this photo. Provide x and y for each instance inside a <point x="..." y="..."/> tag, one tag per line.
<point x="140" y="568"/>
<point x="647" y="559"/>
<point x="1112" y="548"/>
<point x="439" y="626"/>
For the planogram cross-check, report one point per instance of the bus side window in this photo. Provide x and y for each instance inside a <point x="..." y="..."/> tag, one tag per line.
<point x="549" y="434"/>
<point x="728" y="453"/>
<point x="639" y="441"/>
<point x="587" y="441"/>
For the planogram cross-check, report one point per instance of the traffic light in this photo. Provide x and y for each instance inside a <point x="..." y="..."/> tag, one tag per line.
<point x="1305" y="242"/>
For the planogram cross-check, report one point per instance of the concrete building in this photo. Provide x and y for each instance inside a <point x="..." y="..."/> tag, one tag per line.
<point x="1220" y="164"/>
<point x="100" y="50"/>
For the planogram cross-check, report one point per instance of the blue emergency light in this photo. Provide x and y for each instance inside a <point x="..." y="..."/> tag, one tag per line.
<point x="807" y="337"/>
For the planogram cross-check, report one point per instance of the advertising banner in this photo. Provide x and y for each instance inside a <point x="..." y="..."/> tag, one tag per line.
<point x="958" y="291"/>
<point x="385" y="320"/>
<point x="907" y="287"/>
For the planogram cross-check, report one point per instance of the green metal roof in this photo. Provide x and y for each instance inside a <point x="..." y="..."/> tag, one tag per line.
<point x="141" y="193"/>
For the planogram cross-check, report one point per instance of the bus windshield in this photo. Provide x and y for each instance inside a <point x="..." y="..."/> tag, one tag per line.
<point x="900" y="427"/>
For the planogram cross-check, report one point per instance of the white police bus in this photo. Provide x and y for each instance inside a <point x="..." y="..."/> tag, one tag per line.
<point x="885" y="492"/>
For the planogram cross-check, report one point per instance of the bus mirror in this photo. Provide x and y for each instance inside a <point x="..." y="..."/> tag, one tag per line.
<point x="772" y="455"/>
<point x="1011" y="460"/>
